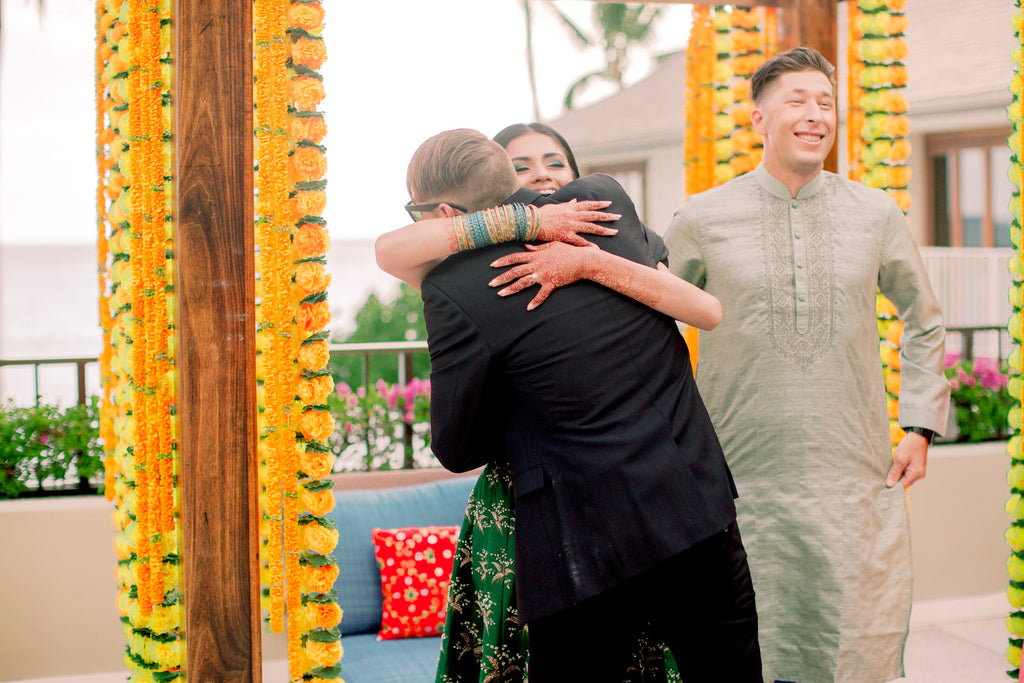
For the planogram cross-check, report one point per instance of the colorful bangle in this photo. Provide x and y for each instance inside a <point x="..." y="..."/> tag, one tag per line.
<point x="505" y="223"/>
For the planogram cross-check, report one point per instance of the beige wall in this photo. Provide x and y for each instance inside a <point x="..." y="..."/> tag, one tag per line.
<point x="665" y="178"/>
<point x="57" y="588"/>
<point x="957" y="522"/>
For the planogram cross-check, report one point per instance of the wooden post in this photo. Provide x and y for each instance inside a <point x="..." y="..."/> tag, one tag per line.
<point x="810" y="23"/>
<point x="216" y="346"/>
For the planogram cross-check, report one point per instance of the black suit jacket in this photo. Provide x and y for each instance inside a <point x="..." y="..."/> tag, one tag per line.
<point x="615" y="463"/>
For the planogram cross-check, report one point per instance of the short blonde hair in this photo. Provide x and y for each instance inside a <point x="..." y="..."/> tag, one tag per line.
<point x="462" y="166"/>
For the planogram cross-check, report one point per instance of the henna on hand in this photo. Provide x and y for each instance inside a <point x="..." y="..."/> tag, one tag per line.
<point x="550" y="265"/>
<point x="563" y="222"/>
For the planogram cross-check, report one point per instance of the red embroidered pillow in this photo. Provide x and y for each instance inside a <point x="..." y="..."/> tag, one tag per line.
<point x="415" y="570"/>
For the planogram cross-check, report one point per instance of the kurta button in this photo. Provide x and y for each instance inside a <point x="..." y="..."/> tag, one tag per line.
<point x="794" y="205"/>
<point x="797" y="236"/>
<point x="799" y="264"/>
<point x="803" y="298"/>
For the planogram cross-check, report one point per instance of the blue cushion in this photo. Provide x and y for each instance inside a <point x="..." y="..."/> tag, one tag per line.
<point x="356" y="512"/>
<point x="367" y="660"/>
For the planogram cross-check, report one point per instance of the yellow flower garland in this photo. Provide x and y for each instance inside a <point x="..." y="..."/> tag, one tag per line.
<point x="741" y="46"/>
<point x="883" y="149"/>
<point x="105" y="136"/>
<point x="1015" y="477"/>
<point x="877" y="145"/>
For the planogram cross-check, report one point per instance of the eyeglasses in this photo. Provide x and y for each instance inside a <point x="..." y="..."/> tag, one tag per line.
<point x="416" y="211"/>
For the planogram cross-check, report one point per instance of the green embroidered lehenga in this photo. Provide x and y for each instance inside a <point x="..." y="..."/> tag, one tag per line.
<point x="483" y="641"/>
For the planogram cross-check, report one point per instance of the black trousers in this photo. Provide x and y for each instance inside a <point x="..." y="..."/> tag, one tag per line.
<point x="700" y="603"/>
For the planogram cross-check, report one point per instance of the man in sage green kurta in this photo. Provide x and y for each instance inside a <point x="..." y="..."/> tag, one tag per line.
<point x="793" y="382"/>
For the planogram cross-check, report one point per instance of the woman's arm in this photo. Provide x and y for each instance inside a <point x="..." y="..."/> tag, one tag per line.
<point x="556" y="264"/>
<point x="411" y="252"/>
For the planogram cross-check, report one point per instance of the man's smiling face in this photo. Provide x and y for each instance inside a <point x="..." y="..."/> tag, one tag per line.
<point x="797" y="119"/>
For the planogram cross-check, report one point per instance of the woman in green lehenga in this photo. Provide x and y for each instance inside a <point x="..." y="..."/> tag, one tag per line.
<point x="483" y="641"/>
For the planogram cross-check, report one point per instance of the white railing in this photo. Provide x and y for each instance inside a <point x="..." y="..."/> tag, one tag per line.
<point x="972" y="285"/>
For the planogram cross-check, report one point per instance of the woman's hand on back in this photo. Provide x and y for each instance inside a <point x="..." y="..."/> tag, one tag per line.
<point x="550" y="265"/>
<point x="566" y="221"/>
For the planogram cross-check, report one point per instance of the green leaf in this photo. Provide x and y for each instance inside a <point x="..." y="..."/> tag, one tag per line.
<point x="316" y="559"/>
<point x="318" y="485"/>
<point x="325" y="522"/>
<point x="320" y="598"/>
<point x="327" y="672"/>
<point x="324" y="635"/>
<point x="310" y="185"/>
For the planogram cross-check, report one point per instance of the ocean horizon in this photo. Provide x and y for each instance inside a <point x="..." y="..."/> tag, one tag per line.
<point x="49" y="309"/>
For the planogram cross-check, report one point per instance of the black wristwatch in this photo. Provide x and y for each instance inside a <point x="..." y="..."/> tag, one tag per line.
<point x="928" y="434"/>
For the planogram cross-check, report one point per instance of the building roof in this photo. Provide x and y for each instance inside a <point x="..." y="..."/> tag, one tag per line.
<point x="959" y="61"/>
<point x="647" y="114"/>
<point x="959" y="55"/>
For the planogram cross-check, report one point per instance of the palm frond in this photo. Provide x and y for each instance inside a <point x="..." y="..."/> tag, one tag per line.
<point x="576" y="34"/>
<point x="581" y="85"/>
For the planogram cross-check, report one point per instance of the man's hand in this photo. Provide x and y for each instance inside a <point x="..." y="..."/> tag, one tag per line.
<point x="550" y="265"/>
<point x="562" y="222"/>
<point x="909" y="461"/>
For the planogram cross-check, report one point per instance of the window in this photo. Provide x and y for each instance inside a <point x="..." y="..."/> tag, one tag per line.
<point x="971" y="192"/>
<point x="631" y="176"/>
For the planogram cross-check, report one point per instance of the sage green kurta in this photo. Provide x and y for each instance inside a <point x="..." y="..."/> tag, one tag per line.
<point x="793" y="382"/>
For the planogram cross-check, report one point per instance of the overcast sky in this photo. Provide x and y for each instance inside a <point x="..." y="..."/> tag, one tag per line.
<point x="397" y="72"/>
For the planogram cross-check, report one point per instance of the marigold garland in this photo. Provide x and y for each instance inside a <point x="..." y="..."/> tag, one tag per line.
<point x="105" y="136"/>
<point x="133" y="126"/>
<point x="698" y="146"/>
<point x="1015" y="477"/>
<point x="740" y="45"/>
<point x="726" y="46"/>
<point x="878" y="79"/>
<point x="292" y="312"/>
<point x="877" y="144"/>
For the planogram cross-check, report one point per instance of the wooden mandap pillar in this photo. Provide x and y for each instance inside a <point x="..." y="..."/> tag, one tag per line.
<point x="216" y="346"/>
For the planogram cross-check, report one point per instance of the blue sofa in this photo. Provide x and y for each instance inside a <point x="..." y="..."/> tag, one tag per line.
<point x="357" y="511"/>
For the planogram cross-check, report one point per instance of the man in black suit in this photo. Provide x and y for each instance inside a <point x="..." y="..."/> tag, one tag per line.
<point x="623" y="501"/>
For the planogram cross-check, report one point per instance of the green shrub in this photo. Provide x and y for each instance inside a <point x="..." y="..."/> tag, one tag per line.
<point x="47" y="449"/>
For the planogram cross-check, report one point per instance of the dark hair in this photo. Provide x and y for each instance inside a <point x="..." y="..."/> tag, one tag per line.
<point x="797" y="59"/>
<point x="463" y="166"/>
<point x="510" y="133"/>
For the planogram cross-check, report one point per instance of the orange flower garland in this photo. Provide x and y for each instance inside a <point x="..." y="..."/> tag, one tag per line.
<point x="292" y="313"/>
<point x="274" y="312"/>
<point x="133" y="122"/>
<point x="698" y="149"/>
<point x="854" y="93"/>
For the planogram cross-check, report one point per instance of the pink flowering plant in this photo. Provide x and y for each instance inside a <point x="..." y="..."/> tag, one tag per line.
<point x="980" y="396"/>
<point x="381" y="427"/>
